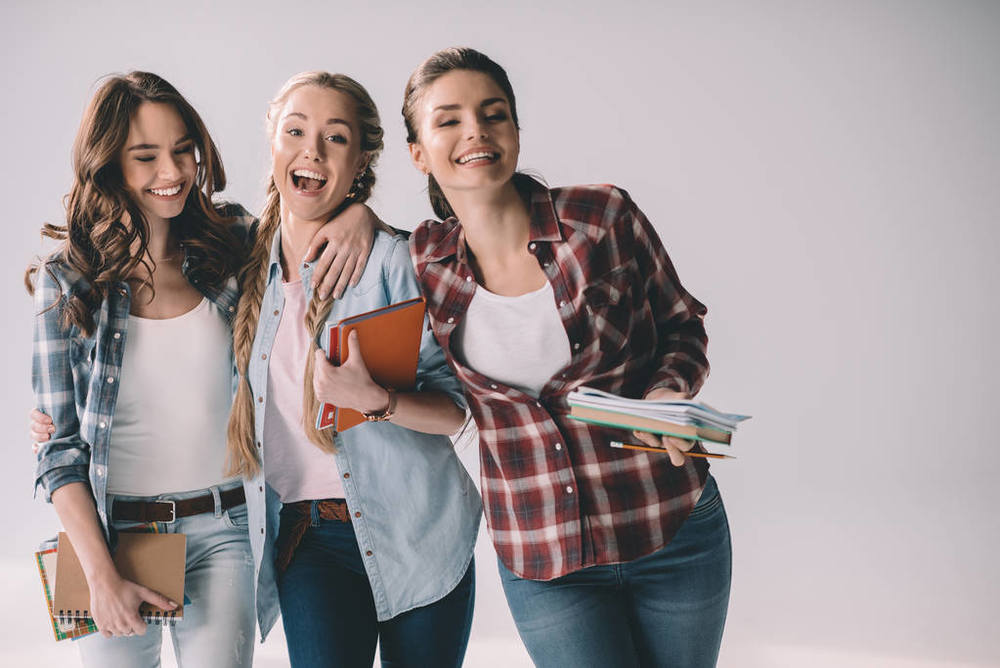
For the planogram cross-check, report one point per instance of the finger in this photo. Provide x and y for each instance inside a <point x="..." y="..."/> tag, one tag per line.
<point x="359" y="269"/>
<point x="681" y="444"/>
<point x="38" y="416"/>
<point x="344" y="278"/>
<point x="315" y="245"/>
<point x="106" y="633"/>
<point x="38" y="437"/>
<point x="652" y="440"/>
<point x="677" y="457"/>
<point x="322" y="265"/>
<point x="329" y="280"/>
<point x="156" y="598"/>
<point x="34" y="447"/>
<point x="354" y="355"/>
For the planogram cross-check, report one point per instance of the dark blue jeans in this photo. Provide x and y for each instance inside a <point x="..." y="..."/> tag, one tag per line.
<point x="665" y="609"/>
<point x="329" y="616"/>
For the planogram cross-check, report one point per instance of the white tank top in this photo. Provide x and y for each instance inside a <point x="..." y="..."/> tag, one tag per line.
<point x="168" y="433"/>
<point x="519" y="341"/>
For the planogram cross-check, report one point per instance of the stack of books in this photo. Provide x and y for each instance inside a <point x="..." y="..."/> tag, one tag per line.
<point x="690" y="420"/>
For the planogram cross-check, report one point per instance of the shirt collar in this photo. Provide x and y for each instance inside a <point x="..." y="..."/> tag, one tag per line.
<point x="541" y="211"/>
<point x="274" y="263"/>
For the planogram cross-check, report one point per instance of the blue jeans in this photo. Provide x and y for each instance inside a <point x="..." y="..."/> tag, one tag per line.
<point x="665" y="609"/>
<point x="218" y="624"/>
<point x="328" y="611"/>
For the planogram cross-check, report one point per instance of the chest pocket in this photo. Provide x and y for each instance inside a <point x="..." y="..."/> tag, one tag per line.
<point x="82" y="351"/>
<point x="609" y="304"/>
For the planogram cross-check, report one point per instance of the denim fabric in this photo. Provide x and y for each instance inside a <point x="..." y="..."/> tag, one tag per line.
<point x="75" y="377"/>
<point x="666" y="609"/>
<point x="413" y="507"/>
<point x="218" y="625"/>
<point x="329" y="614"/>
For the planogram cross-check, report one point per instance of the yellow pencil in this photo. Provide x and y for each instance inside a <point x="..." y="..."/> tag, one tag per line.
<point x="646" y="448"/>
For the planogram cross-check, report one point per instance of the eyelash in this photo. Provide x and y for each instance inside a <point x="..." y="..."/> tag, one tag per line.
<point x="180" y="151"/>
<point x="336" y="139"/>
<point x="492" y="118"/>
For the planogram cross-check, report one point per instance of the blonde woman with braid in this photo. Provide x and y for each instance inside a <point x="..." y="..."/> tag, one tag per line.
<point x="133" y="332"/>
<point x="368" y="534"/>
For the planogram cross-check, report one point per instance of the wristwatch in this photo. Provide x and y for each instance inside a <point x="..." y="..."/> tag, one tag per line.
<point x="387" y="413"/>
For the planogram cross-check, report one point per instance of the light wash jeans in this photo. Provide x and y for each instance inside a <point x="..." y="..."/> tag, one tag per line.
<point x="664" y="610"/>
<point x="218" y="626"/>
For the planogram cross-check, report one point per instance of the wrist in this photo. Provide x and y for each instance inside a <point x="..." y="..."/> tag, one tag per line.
<point x="377" y="400"/>
<point x="385" y="413"/>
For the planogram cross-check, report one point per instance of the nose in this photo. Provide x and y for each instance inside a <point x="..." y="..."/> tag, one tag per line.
<point x="168" y="167"/>
<point x="314" y="149"/>
<point x="477" y="129"/>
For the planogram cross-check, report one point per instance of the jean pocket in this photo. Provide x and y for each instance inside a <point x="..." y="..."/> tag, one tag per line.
<point x="237" y="517"/>
<point x="709" y="502"/>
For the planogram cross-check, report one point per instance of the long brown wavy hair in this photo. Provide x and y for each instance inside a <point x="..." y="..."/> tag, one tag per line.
<point x="104" y="224"/>
<point x="243" y="458"/>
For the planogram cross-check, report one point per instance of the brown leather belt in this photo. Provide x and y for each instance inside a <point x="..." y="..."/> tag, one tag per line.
<point x="293" y="528"/>
<point x="168" y="511"/>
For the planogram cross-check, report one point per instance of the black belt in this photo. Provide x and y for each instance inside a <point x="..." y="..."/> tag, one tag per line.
<point x="168" y="511"/>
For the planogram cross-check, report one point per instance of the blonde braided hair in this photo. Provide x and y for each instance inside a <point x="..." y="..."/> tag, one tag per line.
<point x="243" y="458"/>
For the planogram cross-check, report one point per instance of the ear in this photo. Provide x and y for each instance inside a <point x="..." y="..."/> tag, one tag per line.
<point x="363" y="161"/>
<point x="417" y="158"/>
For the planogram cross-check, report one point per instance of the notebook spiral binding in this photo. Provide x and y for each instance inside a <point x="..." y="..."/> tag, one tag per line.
<point x="156" y="617"/>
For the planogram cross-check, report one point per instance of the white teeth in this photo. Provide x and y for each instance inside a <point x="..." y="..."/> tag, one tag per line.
<point x="309" y="174"/>
<point x="476" y="156"/>
<point x="166" y="192"/>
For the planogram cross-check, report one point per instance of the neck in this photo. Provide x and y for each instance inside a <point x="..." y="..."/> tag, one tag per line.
<point x="296" y="233"/>
<point x="161" y="244"/>
<point x="496" y="223"/>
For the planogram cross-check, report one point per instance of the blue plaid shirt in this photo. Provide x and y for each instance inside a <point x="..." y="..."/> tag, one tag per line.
<point x="75" y="377"/>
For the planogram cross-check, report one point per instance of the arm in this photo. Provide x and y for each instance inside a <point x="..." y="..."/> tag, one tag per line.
<point x="348" y="240"/>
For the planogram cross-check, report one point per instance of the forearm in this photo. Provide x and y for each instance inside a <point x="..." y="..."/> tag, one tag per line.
<point x="427" y="412"/>
<point x="75" y="506"/>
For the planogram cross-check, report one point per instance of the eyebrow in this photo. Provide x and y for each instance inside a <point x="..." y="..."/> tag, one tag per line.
<point x="146" y="147"/>
<point x="485" y="103"/>
<point x="329" y="121"/>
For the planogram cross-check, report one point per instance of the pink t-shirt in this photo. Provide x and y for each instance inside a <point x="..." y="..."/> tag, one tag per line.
<point x="294" y="466"/>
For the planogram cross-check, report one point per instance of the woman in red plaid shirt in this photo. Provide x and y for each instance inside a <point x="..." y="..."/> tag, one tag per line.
<point x="607" y="556"/>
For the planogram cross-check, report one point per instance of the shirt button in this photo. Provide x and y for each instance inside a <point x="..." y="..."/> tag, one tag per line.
<point x="260" y="488"/>
<point x="368" y="553"/>
<point x="123" y="292"/>
<point x="546" y="264"/>
<point x="468" y="278"/>
<point x="305" y="265"/>
<point x="562" y="303"/>
<point x="357" y="514"/>
<point x="275" y="311"/>
<point x="538" y="404"/>
<point x="111" y="379"/>
<point x="569" y="490"/>
<point x="118" y="335"/>
<point x="262" y="531"/>
<point x="493" y="386"/>
<point x="103" y="425"/>
<point x="100" y="471"/>
<point x="347" y="475"/>
<point x="451" y="320"/>
<point x="559" y="447"/>
<point x="260" y="400"/>
<point x="258" y="444"/>
<point x="532" y="246"/>
<point x="576" y="346"/>
<point x="232" y="308"/>
<point x="263" y="356"/>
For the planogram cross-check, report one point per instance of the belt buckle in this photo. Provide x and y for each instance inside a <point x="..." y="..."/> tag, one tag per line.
<point x="173" y="511"/>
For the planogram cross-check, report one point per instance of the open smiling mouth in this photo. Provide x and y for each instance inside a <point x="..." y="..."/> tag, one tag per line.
<point x="478" y="158"/>
<point x="167" y="193"/>
<point x="307" y="180"/>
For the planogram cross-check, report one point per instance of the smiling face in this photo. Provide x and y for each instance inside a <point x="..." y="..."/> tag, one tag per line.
<point x="466" y="137"/>
<point x="316" y="151"/>
<point x="158" y="162"/>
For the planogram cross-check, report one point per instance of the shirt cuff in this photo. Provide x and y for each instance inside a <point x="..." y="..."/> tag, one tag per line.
<point x="49" y="481"/>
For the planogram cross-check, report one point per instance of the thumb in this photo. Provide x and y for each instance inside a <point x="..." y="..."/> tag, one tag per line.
<point x="155" y="598"/>
<point x="354" y="348"/>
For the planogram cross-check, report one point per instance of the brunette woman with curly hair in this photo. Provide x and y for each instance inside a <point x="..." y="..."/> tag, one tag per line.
<point x="132" y="361"/>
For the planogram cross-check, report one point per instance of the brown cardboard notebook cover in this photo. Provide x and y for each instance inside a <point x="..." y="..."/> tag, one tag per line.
<point x="154" y="560"/>
<point x="389" y="339"/>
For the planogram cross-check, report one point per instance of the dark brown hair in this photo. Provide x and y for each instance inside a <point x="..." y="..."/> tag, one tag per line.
<point x="429" y="71"/>
<point x="102" y="220"/>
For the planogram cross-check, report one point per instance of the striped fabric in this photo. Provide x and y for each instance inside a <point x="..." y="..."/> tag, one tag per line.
<point x="557" y="497"/>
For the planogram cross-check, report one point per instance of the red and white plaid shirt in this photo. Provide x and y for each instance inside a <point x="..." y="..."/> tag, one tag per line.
<point x="557" y="497"/>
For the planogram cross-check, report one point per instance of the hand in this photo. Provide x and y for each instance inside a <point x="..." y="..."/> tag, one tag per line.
<point x="675" y="447"/>
<point x="348" y="240"/>
<point x="40" y="429"/>
<point x="114" y="605"/>
<point x="349" y="385"/>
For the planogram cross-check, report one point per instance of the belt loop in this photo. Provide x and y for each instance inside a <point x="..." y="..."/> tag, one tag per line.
<point x="314" y="513"/>
<point x="218" y="500"/>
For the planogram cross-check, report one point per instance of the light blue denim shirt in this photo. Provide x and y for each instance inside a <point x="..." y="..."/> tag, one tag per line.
<point x="75" y="376"/>
<point x="413" y="506"/>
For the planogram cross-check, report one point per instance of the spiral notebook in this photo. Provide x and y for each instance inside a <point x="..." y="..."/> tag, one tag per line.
<point x="154" y="560"/>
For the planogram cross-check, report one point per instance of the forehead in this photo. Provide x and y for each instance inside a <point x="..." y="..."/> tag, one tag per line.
<point x="461" y="87"/>
<point x="156" y="120"/>
<point x="320" y="104"/>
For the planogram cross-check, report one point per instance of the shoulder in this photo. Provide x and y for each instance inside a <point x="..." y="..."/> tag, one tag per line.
<point x="241" y="222"/>
<point x="432" y="238"/>
<point x="596" y="204"/>
<point x="55" y="274"/>
<point x="390" y="250"/>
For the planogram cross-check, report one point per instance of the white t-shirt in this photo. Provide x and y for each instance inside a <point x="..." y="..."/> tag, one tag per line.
<point x="519" y="341"/>
<point x="174" y="396"/>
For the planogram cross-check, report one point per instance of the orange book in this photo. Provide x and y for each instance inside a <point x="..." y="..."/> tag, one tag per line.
<point x="389" y="338"/>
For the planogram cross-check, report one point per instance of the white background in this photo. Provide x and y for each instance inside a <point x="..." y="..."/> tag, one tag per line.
<point x="826" y="178"/>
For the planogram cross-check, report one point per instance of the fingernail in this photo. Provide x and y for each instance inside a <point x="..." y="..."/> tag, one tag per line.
<point x="323" y="295"/>
<point x="172" y="604"/>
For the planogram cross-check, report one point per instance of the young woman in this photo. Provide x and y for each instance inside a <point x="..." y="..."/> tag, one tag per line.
<point x="607" y="556"/>
<point x="133" y="329"/>
<point x="368" y="533"/>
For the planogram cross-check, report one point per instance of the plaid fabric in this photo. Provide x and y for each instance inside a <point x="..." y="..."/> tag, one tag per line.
<point x="75" y="377"/>
<point x="557" y="497"/>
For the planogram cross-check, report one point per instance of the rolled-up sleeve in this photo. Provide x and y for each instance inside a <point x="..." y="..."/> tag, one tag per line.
<point x="65" y="457"/>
